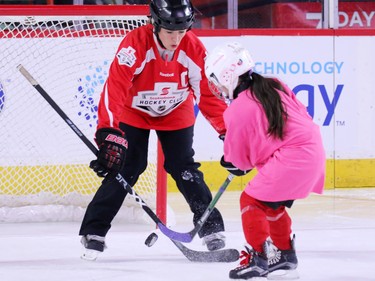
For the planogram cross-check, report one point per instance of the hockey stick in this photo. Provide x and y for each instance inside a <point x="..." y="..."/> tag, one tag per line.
<point x="188" y="236"/>
<point x="226" y="255"/>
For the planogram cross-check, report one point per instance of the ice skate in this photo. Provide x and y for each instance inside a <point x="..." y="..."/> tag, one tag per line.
<point x="282" y="264"/>
<point x="93" y="246"/>
<point x="253" y="265"/>
<point x="214" y="241"/>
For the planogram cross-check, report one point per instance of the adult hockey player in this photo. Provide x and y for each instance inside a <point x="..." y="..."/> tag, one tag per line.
<point x="270" y="130"/>
<point x="153" y="81"/>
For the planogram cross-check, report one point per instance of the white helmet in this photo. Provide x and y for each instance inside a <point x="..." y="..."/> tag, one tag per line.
<point x="224" y="65"/>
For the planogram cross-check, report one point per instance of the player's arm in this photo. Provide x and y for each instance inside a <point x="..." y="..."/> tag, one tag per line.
<point x="111" y="141"/>
<point x="128" y="58"/>
<point x="112" y="146"/>
<point x="211" y="107"/>
<point x="240" y="139"/>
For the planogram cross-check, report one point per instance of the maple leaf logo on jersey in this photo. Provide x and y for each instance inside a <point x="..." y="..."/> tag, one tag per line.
<point x="164" y="98"/>
<point x="126" y="56"/>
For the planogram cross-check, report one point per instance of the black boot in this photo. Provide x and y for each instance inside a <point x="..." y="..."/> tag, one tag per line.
<point x="252" y="264"/>
<point x="282" y="263"/>
<point x="94" y="245"/>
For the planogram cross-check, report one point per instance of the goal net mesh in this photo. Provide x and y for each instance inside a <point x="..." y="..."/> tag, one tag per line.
<point x="44" y="173"/>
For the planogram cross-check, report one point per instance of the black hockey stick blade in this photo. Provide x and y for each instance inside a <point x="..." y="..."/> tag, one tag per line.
<point x="226" y="255"/>
<point x="188" y="236"/>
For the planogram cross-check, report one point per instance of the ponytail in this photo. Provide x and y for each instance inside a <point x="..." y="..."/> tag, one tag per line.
<point x="265" y="91"/>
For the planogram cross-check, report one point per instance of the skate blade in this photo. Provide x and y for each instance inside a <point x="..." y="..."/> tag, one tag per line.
<point x="90" y="255"/>
<point x="282" y="274"/>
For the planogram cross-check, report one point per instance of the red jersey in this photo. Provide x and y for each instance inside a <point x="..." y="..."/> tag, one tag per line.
<point x="145" y="91"/>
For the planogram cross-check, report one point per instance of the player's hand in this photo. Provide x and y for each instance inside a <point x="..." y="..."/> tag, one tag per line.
<point x="112" y="151"/>
<point x="232" y="169"/>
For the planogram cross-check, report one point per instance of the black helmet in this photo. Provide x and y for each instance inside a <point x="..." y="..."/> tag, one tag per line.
<point x="172" y="14"/>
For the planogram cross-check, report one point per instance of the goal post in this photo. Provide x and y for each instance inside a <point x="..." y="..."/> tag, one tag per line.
<point x="44" y="174"/>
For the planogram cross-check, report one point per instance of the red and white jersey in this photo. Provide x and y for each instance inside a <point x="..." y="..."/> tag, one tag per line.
<point x="146" y="91"/>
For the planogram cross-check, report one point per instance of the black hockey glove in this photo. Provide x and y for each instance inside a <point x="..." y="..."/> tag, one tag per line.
<point x="232" y="169"/>
<point x="222" y="137"/>
<point x="112" y="151"/>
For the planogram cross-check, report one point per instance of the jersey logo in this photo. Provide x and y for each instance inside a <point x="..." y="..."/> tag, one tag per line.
<point x="126" y="56"/>
<point x="162" y="100"/>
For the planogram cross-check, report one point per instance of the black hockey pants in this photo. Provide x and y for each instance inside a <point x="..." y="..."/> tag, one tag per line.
<point x="179" y="163"/>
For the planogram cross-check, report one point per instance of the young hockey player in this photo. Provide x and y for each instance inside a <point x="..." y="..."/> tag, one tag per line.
<point x="153" y="81"/>
<point x="270" y="130"/>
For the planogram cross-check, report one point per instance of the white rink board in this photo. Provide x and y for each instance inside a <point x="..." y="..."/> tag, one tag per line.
<point x="320" y="72"/>
<point x="321" y="67"/>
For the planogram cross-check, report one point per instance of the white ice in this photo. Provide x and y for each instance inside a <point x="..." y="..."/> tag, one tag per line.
<point x="334" y="240"/>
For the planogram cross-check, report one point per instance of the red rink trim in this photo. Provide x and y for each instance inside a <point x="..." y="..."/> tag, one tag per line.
<point x="283" y="32"/>
<point x="73" y="10"/>
<point x="129" y="10"/>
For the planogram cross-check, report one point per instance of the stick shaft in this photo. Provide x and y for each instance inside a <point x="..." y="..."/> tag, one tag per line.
<point x="226" y="255"/>
<point x="62" y="114"/>
<point x="188" y="236"/>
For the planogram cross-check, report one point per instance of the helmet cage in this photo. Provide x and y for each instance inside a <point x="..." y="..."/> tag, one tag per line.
<point x="217" y="89"/>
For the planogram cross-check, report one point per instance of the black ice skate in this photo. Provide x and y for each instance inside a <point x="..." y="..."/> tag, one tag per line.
<point x="282" y="264"/>
<point x="253" y="265"/>
<point x="94" y="245"/>
<point x="214" y="241"/>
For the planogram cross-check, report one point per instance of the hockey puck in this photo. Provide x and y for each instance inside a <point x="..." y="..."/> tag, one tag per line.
<point x="151" y="239"/>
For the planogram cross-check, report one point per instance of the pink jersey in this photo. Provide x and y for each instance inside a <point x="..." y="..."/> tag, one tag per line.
<point x="288" y="169"/>
<point x="145" y="91"/>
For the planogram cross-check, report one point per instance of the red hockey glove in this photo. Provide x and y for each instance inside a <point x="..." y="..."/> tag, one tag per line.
<point x="112" y="151"/>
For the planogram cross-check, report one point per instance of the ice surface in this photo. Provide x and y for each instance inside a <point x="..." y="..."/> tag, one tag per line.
<point x="334" y="240"/>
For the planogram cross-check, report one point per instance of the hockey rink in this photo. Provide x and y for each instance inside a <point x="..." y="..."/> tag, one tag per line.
<point x="334" y="241"/>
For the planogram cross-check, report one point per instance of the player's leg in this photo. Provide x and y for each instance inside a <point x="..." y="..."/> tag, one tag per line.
<point x="180" y="164"/>
<point x="110" y="196"/>
<point x="253" y="259"/>
<point x="98" y="217"/>
<point x="282" y="258"/>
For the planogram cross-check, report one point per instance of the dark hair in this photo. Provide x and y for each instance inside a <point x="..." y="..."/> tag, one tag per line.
<point x="265" y="91"/>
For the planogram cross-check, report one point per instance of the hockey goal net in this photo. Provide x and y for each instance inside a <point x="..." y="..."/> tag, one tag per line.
<point x="44" y="174"/>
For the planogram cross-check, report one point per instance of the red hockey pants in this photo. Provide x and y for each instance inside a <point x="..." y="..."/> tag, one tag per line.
<point x="260" y="221"/>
